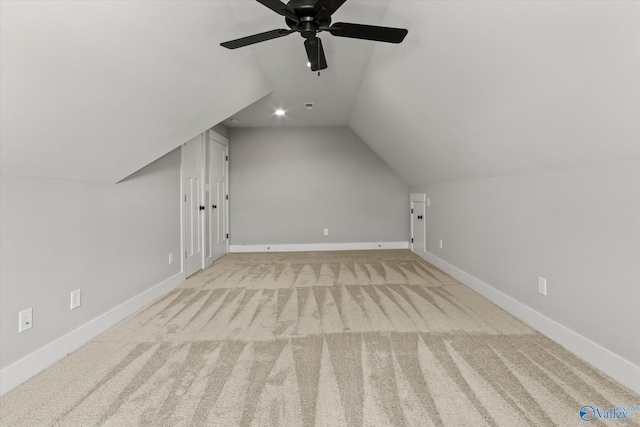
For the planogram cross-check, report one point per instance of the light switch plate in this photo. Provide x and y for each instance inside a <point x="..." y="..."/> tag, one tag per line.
<point x="75" y="299"/>
<point x="542" y="286"/>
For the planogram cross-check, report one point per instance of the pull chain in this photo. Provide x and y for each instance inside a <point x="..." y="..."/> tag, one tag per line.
<point x="318" y="38"/>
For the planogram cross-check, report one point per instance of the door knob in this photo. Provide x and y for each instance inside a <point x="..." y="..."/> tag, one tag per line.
<point x="214" y="206"/>
<point x="201" y="208"/>
<point x="419" y="216"/>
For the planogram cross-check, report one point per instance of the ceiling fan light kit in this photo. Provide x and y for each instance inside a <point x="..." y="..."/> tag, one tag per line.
<point x="310" y="17"/>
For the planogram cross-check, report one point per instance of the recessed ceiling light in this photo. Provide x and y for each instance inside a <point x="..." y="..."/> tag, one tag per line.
<point x="234" y="120"/>
<point x="279" y="112"/>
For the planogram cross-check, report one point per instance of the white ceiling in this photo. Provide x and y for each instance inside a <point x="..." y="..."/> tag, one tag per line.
<point x="284" y="60"/>
<point x="96" y="90"/>
<point x="490" y="88"/>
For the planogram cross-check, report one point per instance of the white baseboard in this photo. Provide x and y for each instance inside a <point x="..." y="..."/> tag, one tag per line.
<point x="25" y="368"/>
<point x="608" y="362"/>
<point x="616" y="367"/>
<point x="316" y="247"/>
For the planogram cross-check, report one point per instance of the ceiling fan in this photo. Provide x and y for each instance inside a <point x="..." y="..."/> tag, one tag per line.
<point x="310" y="17"/>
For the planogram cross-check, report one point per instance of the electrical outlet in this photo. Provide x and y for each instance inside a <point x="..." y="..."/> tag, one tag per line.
<point x="440" y="243"/>
<point x="75" y="299"/>
<point x="326" y="231"/>
<point x="170" y="258"/>
<point x="542" y="286"/>
<point x="26" y="320"/>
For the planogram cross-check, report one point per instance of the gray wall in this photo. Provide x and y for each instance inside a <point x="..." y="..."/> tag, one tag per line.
<point x="288" y="184"/>
<point x="221" y="129"/>
<point x="578" y="228"/>
<point x="110" y="241"/>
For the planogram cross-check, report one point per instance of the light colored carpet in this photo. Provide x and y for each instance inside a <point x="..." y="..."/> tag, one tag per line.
<point x="376" y="338"/>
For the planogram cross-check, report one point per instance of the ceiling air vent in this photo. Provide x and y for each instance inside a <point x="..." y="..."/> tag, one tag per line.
<point x="308" y="106"/>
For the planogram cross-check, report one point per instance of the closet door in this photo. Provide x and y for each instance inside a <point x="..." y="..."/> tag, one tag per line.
<point x="218" y="191"/>
<point x="193" y="203"/>
<point x="418" y="226"/>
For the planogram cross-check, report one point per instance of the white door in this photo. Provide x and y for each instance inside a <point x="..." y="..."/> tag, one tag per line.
<point x="418" y="228"/>
<point x="218" y="190"/>
<point x="192" y="166"/>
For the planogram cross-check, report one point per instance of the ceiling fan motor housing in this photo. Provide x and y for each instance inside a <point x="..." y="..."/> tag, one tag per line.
<point x="308" y="26"/>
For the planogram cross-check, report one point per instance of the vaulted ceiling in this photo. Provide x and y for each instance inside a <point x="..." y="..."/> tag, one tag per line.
<point x="96" y="90"/>
<point x="284" y="63"/>
<point x="494" y="88"/>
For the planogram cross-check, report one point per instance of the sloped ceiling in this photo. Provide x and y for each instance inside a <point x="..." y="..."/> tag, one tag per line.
<point x="95" y="90"/>
<point x="283" y="62"/>
<point x="490" y="88"/>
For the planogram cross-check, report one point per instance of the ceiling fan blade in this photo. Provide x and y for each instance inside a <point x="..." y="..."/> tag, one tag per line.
<point x="280" y="8"/>
<point x="326" y="8"/>
<point x="315" y="53"/>
<point x="256" y="38"/>
<point x="368" y="32"/>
